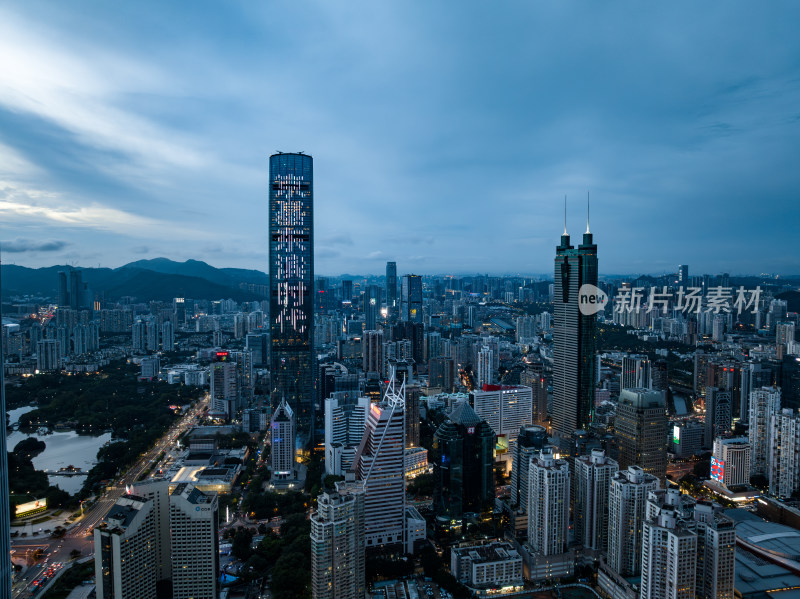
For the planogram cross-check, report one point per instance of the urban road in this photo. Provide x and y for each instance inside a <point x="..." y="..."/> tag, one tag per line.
<point x="79" y="537"/>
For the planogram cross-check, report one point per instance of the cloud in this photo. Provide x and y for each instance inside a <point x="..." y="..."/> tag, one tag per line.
<point x="55" y="82"/>
<point x="30" y="205"/>
<point x="21" y="245"/>
<point x="326" y="253"/>
<point x="140" y="249"/>
<point x="341" y="239"/>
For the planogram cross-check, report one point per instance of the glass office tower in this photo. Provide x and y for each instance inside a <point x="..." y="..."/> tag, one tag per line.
<point x="574" y="340"/>
<point x="5" y="507"/>
<point x="411" y="298"/>
<point x="291" y="284"/>
<point x="391" y="288"/>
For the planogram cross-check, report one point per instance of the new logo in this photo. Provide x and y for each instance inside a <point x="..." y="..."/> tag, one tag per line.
<point x="591" y="299"/>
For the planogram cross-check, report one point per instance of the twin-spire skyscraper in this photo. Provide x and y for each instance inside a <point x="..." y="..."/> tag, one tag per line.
<point x="574" y="337"/>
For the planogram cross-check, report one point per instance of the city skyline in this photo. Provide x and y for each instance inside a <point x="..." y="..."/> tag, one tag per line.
<point x="111" y="154"/>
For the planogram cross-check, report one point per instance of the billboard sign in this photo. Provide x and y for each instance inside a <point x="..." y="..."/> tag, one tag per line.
<point x="30" y="507"/>
<point x="717" y="470"/>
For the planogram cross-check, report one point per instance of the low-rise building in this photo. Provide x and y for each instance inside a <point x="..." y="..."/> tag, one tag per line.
<point x="492" y="565"/>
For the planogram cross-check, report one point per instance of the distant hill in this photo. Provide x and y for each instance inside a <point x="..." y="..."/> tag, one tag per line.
<point x="156" y="279"/>
<point x="158" y="286"/>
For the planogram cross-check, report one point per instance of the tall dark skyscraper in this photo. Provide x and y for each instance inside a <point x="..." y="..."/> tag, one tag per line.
<point x="5" y="511"/>
<point x="411" y="298"/>
<point x="372" y="307"/>
<point x="574" y="338"/>
<point x="462" y="456"/>
<point x="391" y="288"/>
<point x="63" y="290"/>
<point x="683" y="275"/>
<point x="291" y="284"/>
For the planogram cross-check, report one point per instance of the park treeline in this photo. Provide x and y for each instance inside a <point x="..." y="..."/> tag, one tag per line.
<point x="136" y="412"/>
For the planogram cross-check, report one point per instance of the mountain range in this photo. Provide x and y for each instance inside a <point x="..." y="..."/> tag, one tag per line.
<point x="158" y="279"/>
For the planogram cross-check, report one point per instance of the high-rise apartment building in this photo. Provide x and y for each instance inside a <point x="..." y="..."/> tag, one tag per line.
<point x="764" y="404"/>
<point x="716" y="553"/>
<point x="574" y="339"/>
<point x="380" y="463"/>
<point x="506" y="408"/>
<point x="337" y="544"/>
<point x="411" y="298"/>
<point x="125" y="550"/>
<point x="641" y="431"/>
<point x="688" y="548"/>
<point x="484" y="369"/>
<point x="463" y="467"/>
<point x="784" y="458"/>
<point x="628" y="494"/>
<point x="669" y="551"/>
<point x="548" y="515"/>
<point x="291" y="284"/>
<point x="194" y="530"/>
<point x="548" y="502"/>
<point x="593" y="475"/>
<point x="391" y="289"/>
<point x="49" y="356"/>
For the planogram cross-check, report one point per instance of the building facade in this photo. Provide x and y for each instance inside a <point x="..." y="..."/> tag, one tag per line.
<point x="730" y="462"/>
<point x="764" y="404"/>
<point x="291" y="284"/>
<point x="411" y="298"/>
<point x="574" y="338"/>
<point x="282" y="452"/>
<point x="125" y="550"/>
<point x="628" y="494"/>
<point x="487" y="566"/>
<point x="784" y="459"/>
<point x="194" y="530"/>
<point x="506" y="408"/>
<point x="337" y="545"/>
<point x="531" y="439"/>
<point x="593" y="475"/>
<point x="641" y="430"/>
<point x="463" y="468"/>
<point x="379" y="463"/>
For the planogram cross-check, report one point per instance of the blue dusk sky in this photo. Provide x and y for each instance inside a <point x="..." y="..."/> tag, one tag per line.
<point x="445" y="135"/>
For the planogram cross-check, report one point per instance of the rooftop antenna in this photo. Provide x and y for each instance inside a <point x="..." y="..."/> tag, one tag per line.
<point x="587" y="212"/>
<point x="565" y="214"/>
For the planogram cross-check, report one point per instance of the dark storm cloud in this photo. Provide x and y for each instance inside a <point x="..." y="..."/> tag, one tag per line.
<point x="20" y="246"/>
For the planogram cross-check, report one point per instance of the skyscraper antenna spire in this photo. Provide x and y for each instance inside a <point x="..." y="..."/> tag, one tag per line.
<point x="565" y="214"/>
<point x="587" y="212"/>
